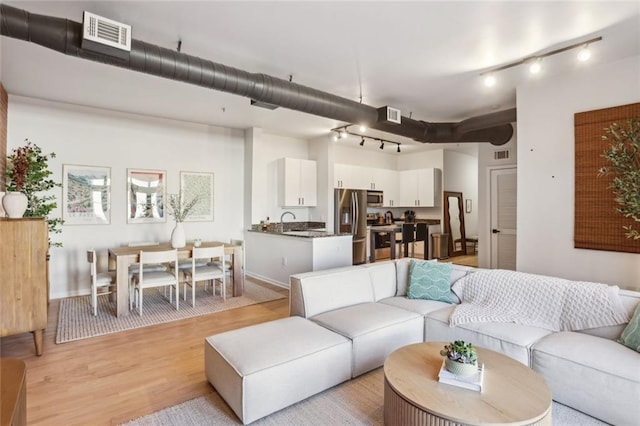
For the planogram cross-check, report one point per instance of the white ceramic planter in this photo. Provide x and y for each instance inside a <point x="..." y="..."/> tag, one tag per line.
<point x="178" y="239"/>
<point x="459" y="368"/>
<point x="14" y="204"/>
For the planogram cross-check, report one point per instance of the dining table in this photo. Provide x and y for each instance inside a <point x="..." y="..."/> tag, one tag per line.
<point x="121" y="257"/>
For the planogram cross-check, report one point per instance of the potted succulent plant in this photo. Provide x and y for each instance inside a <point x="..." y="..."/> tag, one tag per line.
<point x="461" y="358"/>
<point x="28" y="173"/>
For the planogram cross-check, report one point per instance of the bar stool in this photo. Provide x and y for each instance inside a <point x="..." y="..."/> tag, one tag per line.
<point x="408" y="236"/>
<point x="421" y="235"/>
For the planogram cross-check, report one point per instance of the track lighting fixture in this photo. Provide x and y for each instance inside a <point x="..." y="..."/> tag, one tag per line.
<point x="535" y="66"/>
<point x="490" y="80"/>
<point x="535" y="61"/>
<point x="584" y="54"/>
<point x="343" y="131"/>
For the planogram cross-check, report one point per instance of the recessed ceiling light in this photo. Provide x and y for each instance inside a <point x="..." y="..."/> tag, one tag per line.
<point x="363" y="128"/>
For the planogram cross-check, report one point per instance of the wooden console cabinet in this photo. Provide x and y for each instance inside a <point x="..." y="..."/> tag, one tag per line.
<point x="23" y="277"/>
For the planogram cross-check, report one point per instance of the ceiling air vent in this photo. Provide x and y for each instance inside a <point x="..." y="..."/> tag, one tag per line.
<point x="501" y="155"/>
<point x="105" y="36"/>
<point x="387" y="114"/>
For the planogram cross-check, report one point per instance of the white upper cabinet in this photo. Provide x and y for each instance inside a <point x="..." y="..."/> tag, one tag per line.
<point x="297" y="181"/>
<point x="389" y="185"/>
<point x="418" y="188"/>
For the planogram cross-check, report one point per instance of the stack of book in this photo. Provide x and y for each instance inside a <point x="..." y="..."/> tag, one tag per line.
<point x="473" y="382"/>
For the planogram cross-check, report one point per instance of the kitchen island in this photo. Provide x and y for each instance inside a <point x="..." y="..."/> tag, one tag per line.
<point x="273" y="256"/>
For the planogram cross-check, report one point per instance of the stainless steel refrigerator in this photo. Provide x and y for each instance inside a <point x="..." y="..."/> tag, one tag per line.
<point x="351" y="218"/>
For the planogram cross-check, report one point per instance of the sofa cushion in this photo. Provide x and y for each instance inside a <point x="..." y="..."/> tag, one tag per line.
<point x="631" y="335"/>
<point x="376" y="330"/>
<point x="315" y="292"/>
<point x="419" y="306"/>
<point x="513" y="340"/>
<point x="383" y="279"/>
<point x="594" y="375"/>
<point x="402" y="275"/>
<point x="430" y="281"/>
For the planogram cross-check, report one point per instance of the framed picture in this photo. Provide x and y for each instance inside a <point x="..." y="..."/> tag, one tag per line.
<point x="86" y="195"/>
<point x="467" y="207"/>
<point x="146" y="196"/>
<point x="198" y="184"/>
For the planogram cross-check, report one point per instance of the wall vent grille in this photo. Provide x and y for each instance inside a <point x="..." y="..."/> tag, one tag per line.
<point x="107" y="32"/>
<point x="501" y="155"/>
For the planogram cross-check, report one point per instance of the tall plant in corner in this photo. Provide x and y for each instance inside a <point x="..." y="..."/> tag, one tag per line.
<point x="623" y="155"/>
<point x="28" y="172"/>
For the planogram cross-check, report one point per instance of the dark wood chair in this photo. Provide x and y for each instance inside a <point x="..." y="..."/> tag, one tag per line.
<point x="408" y="236"/>
<point x="421" y="235"/>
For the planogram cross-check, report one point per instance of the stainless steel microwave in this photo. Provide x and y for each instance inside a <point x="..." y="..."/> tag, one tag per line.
<point x="374" y="198"/>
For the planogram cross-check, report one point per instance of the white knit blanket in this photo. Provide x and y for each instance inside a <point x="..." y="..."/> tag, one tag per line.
<point x="548" y="302"/>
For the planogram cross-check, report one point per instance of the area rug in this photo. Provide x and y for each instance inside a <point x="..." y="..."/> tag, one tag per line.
<point x="76" y="320"/>
<point x="356" y="402"/>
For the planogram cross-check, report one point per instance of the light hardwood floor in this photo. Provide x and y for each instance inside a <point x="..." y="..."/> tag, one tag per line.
<point x="115" y="378"/>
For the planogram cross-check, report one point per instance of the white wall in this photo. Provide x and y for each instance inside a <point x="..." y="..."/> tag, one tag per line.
<point x="89" y="136"/>
<point x="267" y="150"/>
<point x="460" y="174"/>
<point x="546" y="111"/>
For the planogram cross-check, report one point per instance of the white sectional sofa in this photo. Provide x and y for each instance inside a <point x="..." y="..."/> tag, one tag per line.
<point x="367" y="305"/>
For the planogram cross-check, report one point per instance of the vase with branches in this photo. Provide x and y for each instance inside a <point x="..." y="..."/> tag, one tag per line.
<point x="623" y="156"/>
<point x="28" y="172"/>
<point x="180" y="209"/>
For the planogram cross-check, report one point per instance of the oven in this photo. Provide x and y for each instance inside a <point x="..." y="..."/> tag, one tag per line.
<point x="374" y="198"/>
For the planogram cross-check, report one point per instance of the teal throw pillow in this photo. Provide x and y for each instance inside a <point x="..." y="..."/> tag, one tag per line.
<point x="630" y="337"/>
<point x="430" y="281"/>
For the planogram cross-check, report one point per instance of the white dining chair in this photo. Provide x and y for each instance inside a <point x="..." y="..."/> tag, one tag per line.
<point x="104" y="281"/>
<point x="208" y="272"/>
<point x="147" y="279"/>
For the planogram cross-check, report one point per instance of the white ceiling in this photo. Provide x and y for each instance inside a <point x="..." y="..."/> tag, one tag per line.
<point x="421" y="57"/>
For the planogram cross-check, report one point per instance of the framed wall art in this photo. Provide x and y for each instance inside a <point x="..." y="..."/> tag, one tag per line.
<point x="200" y="185"/>
<point x="146" y="196"/>
<point x="86" y="195"/>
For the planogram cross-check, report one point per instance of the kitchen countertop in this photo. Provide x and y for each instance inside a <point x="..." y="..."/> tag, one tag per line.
<point x="305" y="233"/>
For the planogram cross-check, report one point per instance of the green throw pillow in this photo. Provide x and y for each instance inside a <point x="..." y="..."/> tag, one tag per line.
<point x="430" y="281"/>
<point x="630" y="337"/>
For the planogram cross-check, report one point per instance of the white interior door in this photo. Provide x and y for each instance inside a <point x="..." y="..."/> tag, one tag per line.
<point x="503" y="218"/>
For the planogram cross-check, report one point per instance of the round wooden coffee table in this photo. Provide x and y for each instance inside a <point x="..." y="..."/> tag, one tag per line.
<point x="512" y="394"/>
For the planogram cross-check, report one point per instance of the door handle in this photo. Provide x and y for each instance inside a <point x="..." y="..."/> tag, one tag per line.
<point x="495" y="231"/>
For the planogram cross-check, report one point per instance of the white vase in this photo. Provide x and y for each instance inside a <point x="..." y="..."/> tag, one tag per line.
<point x="178" y="239"/>
<point x="14" y="204"/>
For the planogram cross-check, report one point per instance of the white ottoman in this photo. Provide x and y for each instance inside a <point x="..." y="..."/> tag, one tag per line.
<point x="266" y="367"/>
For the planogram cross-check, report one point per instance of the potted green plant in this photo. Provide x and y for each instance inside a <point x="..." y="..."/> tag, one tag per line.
<point x="461" y="358"/>
<point x="28" y="172"/>
<point x="180" y="209"/>
<point x="623" y="155"/>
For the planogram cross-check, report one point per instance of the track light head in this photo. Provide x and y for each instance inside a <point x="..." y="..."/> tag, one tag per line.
<point x="381" y="145"/>
<point x="535" y="66"/>
<point x="398" y="147"/>
<point x="490" y="80"/>
<point x="335" y="137"/>
<point x="584" y="53"/>
<point x="362" y="142"/>
<point x="343" y="134"/>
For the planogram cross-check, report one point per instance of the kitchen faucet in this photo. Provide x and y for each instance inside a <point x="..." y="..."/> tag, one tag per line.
<point x="282" y="217"/>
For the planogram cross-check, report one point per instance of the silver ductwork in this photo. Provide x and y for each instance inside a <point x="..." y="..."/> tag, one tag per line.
<point x="65" y="36"/>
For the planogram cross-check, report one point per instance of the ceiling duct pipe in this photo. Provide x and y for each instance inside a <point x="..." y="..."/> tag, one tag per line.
<point x="65" y="36"/>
